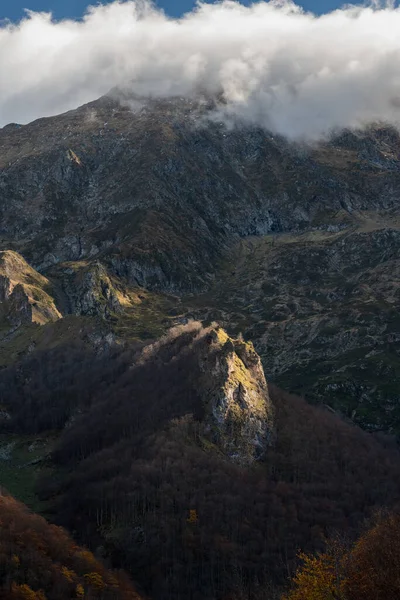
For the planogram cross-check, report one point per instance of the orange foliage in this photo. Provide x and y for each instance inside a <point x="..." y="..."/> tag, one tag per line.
<point x="15" y="561"/>
<point x="374" y="571"/>
<point x="24" y="592"/>
<point x="319" y="578"/>
<point x="94" y="580"/>
<point x="193" y="517"/>
<point x="39" y="561"/>
<point x="369" y="569"/>
<point x="68" y="574"/>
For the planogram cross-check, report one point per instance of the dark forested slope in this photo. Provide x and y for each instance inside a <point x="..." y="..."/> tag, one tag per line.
<point x="39" y="561"/>
<point x="142" y="473"/>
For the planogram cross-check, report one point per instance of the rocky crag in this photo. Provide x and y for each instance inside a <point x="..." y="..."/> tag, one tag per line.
<point x="25" y="294"/>
<point x="239" y="413"/>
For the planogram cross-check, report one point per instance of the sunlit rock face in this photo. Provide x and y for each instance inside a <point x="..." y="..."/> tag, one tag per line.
<point x="239" y="412"/>
<point x="25" y="294"/>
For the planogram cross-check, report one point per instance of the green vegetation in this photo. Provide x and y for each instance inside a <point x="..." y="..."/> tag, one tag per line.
<point x="148" y="316"/>
<point x="23" y="460"/>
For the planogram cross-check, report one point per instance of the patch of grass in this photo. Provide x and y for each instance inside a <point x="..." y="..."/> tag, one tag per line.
<point x="150" y="316"/>
<point x="22" y="460"/>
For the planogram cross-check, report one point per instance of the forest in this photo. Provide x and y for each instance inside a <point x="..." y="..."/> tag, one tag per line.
<point x="367" y="568"/>
<point x="135" y="479"/>
<point x="39" y="561"/>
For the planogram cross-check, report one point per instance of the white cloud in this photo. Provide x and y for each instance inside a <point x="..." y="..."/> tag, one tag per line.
<point x="277" y="66"/>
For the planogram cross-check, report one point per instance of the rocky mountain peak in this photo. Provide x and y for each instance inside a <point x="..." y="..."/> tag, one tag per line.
<point x="239" y="412"/>
<point x="228" y="388"/>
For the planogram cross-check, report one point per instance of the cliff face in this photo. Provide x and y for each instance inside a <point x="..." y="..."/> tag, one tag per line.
<point x="86" y="288"/>
<point x="24" y="293"/>
<point x="239" y="411"/>
<point x="232" y="407"/>
<point x="159" y="192"/>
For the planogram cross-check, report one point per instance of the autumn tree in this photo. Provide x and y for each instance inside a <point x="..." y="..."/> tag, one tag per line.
<point x="320" y="577"/>
<point x="370" y="568"/>
<point x="374" y="569"/>
<point x="39" y="561"/>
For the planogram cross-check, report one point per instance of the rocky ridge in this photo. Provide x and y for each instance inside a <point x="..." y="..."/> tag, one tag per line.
<point x="240" y="413"/>
<point x="231" y="381"/>
<point x="233" y="412"/>
<point x="160" y="191"/>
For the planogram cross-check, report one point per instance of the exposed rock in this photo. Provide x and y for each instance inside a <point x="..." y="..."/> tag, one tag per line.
<point x="323" y="312"/>
<point x="235" y="415"/>
<point x="24" y="296"/>
<point x="5" y="288"/>
<point x="88" y="289"/>
<point x="160" y="192"/>
<point x="239" y="411"/>
<point x="19" y="309"/>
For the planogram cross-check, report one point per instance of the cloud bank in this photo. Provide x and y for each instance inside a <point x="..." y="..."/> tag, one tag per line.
<point x="276" y="66"/>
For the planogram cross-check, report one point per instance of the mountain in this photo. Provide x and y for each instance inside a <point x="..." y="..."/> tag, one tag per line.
<point x="166" y="279"/>
<point x="145" y="212"/>
<point x="110" y="180"/>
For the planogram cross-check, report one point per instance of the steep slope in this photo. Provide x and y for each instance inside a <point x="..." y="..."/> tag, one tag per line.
<point x="125" y="199"/>
<point x="226" y="379"/>
<point x="77" y="300"/>
<point x="24" y="293"/>
<point x="176" y="462"/>
<point x="88" y="288"/>
<point x="234" y="388"/>
<point x="323" y="311"/>
<point x="39" y="561"/>
<point x="159" y="190"/>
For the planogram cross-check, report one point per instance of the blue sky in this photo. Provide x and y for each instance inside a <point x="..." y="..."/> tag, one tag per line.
<point x="13" y="9"/>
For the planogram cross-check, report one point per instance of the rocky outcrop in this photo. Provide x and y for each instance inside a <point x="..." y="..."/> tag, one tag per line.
<point x="24" y="296"/>
<point x="239" y="411"/>
<point x="225" y="386"/>
<point x="87" y="289"/>
<point x="19" y="309"/>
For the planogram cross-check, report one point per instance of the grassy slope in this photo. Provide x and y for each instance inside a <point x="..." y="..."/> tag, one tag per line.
<point x="323" y="311"/>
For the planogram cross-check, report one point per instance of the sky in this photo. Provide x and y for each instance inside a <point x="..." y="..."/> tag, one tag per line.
<point x="14" y="9"/>
<point x="275" y="65"/>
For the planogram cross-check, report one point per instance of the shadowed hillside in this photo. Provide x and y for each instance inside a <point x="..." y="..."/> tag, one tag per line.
<point x="143" y="469"/>
<point x="39" y="561"/>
